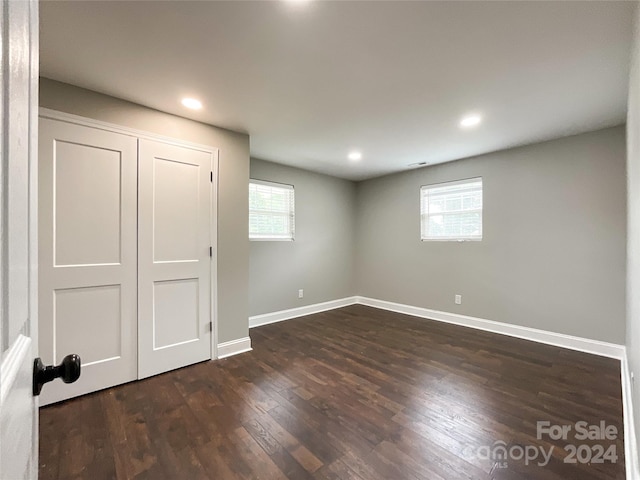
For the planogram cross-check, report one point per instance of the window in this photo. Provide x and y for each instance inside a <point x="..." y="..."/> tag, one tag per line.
<point x="271" y="211"/>
<point x="452" y="210"/>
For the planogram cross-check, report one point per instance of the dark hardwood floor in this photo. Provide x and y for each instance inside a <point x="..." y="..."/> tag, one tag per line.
<point x="354" y="393"/>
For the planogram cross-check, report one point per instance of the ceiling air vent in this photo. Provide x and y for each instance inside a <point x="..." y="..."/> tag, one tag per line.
<point x="417" y="164"/>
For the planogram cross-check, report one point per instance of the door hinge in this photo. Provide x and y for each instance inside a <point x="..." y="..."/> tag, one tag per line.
<point x="211" y="177"/>
<point x="211" y="251"/>
<point x="211" y="326"/>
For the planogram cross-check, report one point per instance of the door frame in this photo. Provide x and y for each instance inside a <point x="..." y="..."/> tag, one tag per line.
<point x="110" y="127"/>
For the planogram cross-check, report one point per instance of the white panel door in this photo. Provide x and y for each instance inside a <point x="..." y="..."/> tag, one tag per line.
<point x="18" y="247"/>
<point x="87" y="253"/>
<point x="174" y="263"/>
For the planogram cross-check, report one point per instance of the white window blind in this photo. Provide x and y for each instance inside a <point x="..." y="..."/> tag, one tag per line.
<point x="452" y="210"/>
<point x="271" y="211"/>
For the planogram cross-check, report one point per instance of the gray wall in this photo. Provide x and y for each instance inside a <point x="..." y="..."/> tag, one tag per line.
<point x="320" y="260"/>
<point x="553" y="253"/>
<point x="233" y="203"/>
<point x="633" y="221"/>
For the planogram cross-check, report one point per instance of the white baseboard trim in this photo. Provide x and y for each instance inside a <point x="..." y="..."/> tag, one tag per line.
<point x="632" y="465"/>
<point x="265" y="319"/>
<point x="234" y="347"/>
<point x="586" y="345"/>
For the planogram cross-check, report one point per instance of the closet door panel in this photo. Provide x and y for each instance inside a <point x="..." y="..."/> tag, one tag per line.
<point x="174" y="266"/>
<point x="87" y="254"/>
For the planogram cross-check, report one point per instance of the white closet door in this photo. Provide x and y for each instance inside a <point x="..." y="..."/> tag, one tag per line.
<point x="87" y="238"/>
<point x="174" y="263"/>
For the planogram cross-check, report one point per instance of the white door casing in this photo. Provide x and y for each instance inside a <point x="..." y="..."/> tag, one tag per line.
<point x="87" y="253"/>
<point x="18" y="239"/>
<point x="174" y="260"/>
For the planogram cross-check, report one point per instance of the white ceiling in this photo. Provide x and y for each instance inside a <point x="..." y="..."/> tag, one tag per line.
<point x="311" y="81"/>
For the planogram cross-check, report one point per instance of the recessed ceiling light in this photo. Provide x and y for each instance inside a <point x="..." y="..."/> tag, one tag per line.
<point x="192" y="103"/>
<point x="355" y="156"/>
<point x="469" y="121"/>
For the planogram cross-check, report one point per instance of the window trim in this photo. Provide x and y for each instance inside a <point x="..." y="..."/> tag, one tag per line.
<point x="283" y="186"/>
<point x="424" y="216"/>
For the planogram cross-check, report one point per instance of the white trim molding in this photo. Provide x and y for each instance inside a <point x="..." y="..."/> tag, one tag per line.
<point x="124" y="130"/>
<point x="265" y="319"/>
<point x="234" y="347"/>
<point x="632" y="465"/>
<point x="586" y="345"/>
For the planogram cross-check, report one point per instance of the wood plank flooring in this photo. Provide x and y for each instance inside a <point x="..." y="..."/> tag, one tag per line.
<point x="354" y="393"/>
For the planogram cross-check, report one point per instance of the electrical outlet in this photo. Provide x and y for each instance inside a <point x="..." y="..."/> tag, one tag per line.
<point x="458" y="299"/>
<point x="300" y="293"/>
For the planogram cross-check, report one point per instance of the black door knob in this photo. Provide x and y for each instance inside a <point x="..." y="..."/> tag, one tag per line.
<point x="68" y="370"/>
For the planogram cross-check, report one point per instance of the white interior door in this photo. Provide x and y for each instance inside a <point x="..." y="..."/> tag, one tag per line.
<point x="18" y="247"/>
<point x="88" y="281"/>
<point x="174" y="263"/>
